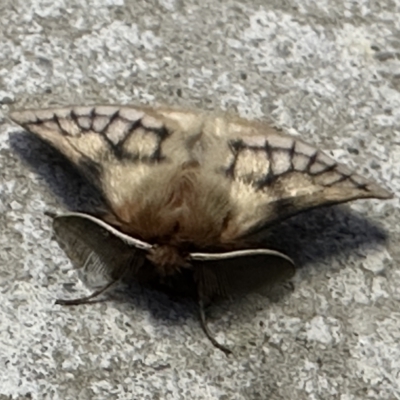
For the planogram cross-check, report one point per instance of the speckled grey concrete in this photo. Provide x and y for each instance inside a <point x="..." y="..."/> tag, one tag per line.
<point x="328" y="71"/>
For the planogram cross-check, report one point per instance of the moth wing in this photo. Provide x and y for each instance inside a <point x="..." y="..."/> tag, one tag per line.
<point x="270" y="176"/>
<point x="239" y="272"/>
<point x="99" y="250"/>
<point x="274" y="176"/>
<point x="114" y="147"/>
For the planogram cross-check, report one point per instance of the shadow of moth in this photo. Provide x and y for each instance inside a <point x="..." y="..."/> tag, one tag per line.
<point x="187" y="191"/>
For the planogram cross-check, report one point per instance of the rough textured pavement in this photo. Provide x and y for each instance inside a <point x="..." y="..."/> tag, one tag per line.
<point x="328" y="71"/>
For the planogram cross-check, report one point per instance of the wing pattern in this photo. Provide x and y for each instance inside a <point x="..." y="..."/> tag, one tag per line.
<point x="270" y="175"/>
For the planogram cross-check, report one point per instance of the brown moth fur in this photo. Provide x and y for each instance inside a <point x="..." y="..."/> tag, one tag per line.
<point x="178" y="209"/>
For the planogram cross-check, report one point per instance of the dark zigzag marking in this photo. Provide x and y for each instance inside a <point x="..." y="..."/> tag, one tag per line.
<point x="118" y="148"/>
<point x="328" y="168"/>
<point x="341" y="179"/>
<point x="269" y="176"/>
<point x="311" y="161"/>
<point x="292" y="152"/>
<point x="75" y="117"/>
<point x="235" y="147"/>
<point x="111" y="119"/>
<point x="57" y="121"/>
<point x="362" y="186"/>
<point x="162" y="134"/>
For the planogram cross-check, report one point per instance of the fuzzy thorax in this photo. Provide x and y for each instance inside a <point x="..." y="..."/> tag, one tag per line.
<point x="177" y="209"/>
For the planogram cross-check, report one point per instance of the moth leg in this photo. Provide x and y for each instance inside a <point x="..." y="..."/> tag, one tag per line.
<point x="86" y="299"/>
<point x="207" y="331"/>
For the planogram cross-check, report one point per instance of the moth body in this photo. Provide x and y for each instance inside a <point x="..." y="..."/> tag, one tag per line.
<point x="178" y="209"/>
<point x="187" y="189"/>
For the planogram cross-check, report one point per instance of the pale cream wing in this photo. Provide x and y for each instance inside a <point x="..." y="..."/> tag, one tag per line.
<point x="274" y="176"/>
<point x="99" y="250"/>
<point x="115" y="147"/>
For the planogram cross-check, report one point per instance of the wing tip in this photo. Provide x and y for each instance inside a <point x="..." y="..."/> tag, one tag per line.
<point x="379" y="192"/>
<point x="367" y="188"/>
<point x="22" y="117"/>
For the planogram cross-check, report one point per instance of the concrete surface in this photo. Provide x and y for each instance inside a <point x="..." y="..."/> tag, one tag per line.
<point x="326" y="70"/>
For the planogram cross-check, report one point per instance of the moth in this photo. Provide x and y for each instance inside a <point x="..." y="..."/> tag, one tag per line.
<point x="188" y="195"/>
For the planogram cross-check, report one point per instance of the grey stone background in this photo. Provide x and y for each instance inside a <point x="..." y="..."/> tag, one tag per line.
<point x="328" y="71"/>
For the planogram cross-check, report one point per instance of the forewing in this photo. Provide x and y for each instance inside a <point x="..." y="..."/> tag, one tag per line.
<point x="99" y="250"/>
<point x="274" y="176"/>
<point x="239" y="272"/>
<point x="115" y="147"/>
